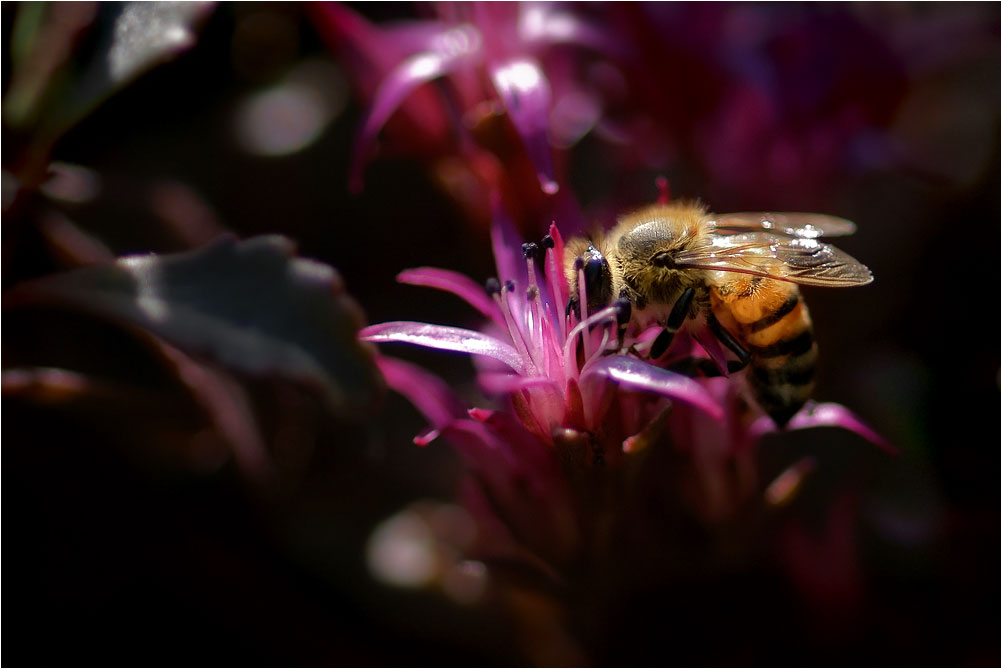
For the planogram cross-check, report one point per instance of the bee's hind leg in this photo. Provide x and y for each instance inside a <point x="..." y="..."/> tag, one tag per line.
<point x="728" y="340"/>
<point x="678" y="314"/>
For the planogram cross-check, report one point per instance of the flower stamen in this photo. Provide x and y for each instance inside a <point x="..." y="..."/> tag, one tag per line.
<point x="605" y="315"/>
<point x="501" y="298"/>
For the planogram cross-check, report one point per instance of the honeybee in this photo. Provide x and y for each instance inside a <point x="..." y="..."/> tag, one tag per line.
<point x="735" y="274"/>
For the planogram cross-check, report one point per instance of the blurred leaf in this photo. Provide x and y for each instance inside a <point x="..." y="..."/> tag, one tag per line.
<point x="42" y="44"/>
<point x="57" y="77"/>
<point x="251" y="305"/>
<point x="149" y="32"/>
<point x="144" y="34"/>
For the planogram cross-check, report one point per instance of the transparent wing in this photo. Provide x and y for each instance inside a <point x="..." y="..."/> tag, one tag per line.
<point x="798" y="259"/>
<point x="792" y="224"/>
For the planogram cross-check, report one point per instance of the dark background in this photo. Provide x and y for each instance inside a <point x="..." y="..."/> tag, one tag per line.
<point x="122" y="552"/>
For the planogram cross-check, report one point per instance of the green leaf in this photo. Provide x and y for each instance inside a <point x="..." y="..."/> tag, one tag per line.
<point x="250" y="305"/>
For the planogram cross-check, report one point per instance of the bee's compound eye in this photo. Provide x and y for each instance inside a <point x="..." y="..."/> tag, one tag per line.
<point x="595" y="271"/>
<point x="663" y="259"/>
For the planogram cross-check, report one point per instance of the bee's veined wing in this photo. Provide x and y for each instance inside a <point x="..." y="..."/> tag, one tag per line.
<point x="792" y="224"/>
<point x="797" y="259"/>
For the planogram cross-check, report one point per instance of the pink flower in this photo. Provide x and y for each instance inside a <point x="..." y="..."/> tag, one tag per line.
<point x="575" y="400"/>
<point x="492" y="55"/>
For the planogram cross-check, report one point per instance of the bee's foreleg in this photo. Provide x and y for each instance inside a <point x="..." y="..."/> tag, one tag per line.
<point x="572" y="307"/>
<point x="728" y="340"/>
<point x="679" y="312"/>
<point x="623" y="312"/>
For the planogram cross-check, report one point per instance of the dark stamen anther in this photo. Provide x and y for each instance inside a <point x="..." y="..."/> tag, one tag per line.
<point x="509" y="285"/>
<point x="531" y="292"/>
<point x="492" y="286"/>
<point x="578" y="264"/>
<point x="547" y="242"/>
<point x="530" y="249"/>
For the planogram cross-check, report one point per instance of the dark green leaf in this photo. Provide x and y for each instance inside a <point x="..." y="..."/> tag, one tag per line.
<point x="250" y="305"/>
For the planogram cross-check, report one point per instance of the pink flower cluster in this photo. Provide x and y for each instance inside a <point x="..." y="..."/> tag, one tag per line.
<point x="575" y="397"/>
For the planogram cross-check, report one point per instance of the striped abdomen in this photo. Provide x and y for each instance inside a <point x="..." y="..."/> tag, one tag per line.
<point x="771" y="321"/>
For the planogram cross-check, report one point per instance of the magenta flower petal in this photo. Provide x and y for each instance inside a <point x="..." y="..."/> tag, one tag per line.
<point x="525" y="92"/>
<point x="827" y="414"/>
<point x="455" y="283"/>
<point x="450" y="49"/>
<point x="555" y="268"/>
<point x="429" y="394"/>
<point x="830" y="414"/>
<point x="444" y="338"/>
<point x="542" y="23"/>
<point x="640" y="375"/>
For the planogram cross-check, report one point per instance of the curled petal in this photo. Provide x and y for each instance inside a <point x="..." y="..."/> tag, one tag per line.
<point x="451" y="48"/>
<point x="640" y="375"/>
<point x="830" y="414"/>
<point x="827" y="414"/>
<point x="444" y="338"/>
<point x="455" y="283"/>
<point x="525" y="92"/>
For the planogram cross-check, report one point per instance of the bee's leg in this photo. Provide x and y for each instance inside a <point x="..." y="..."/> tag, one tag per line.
<point x="678" y="314"/>
<point x="624" y="310"/>
<point x="728" y="340"/>
<point x="572" y="307"/>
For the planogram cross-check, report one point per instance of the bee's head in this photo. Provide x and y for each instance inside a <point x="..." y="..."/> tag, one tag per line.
<point x="648" y="252"/>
